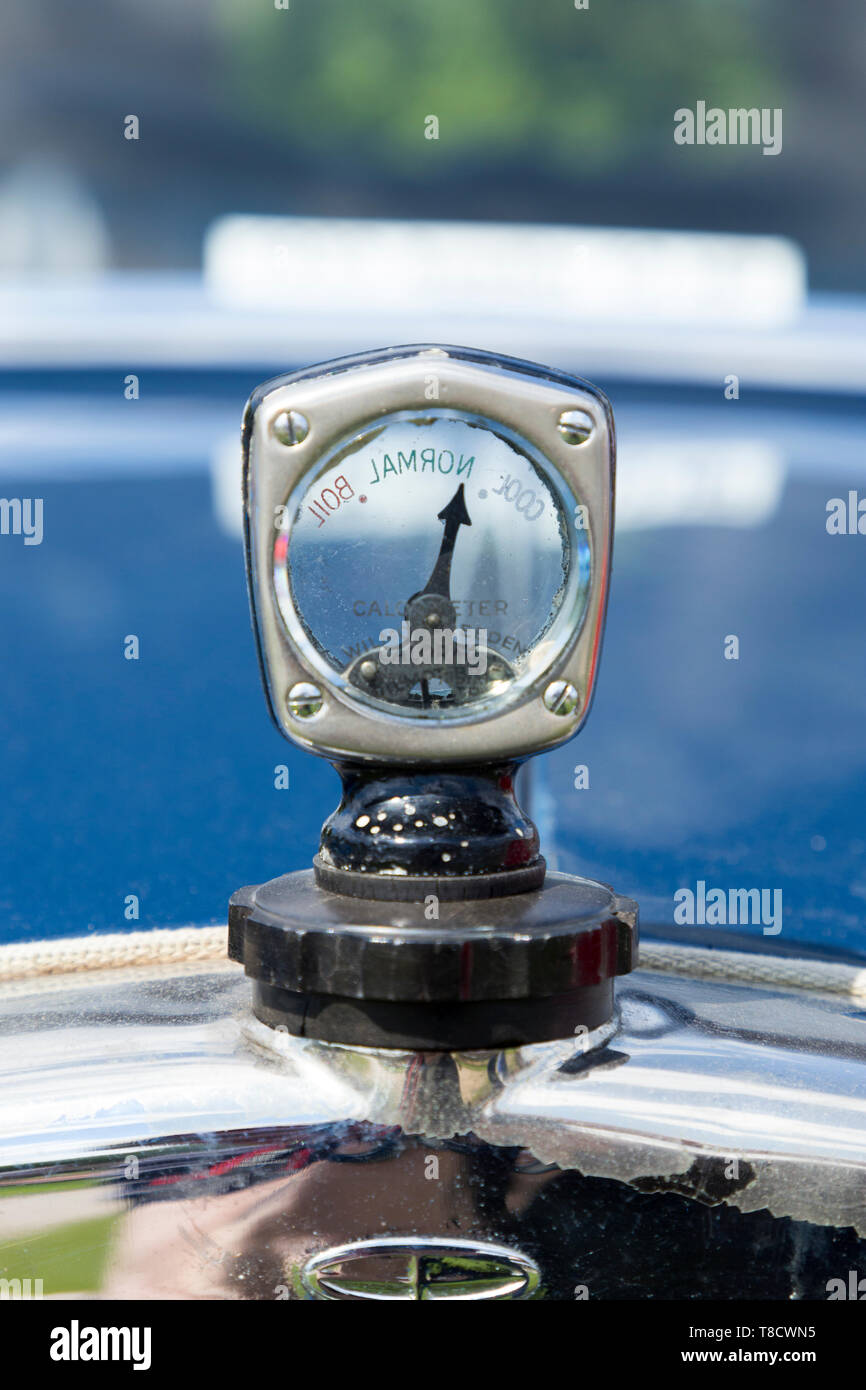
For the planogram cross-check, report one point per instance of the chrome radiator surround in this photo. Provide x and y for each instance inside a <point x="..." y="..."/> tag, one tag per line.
<point x="158" y="1142"/>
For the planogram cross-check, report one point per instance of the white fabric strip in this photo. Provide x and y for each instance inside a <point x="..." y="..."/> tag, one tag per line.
<point x="33" y="960"/>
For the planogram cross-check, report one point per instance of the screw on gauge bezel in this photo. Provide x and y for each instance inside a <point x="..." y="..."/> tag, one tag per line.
<point x="340" y="398"/>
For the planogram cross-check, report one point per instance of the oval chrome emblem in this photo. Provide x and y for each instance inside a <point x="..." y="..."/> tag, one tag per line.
<point x="420" y="1267"/>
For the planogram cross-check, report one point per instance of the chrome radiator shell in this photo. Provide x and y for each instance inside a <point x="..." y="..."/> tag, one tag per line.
<point x="156" y="1141"/>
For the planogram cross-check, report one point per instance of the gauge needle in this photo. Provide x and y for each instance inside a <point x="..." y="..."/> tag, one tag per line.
<point x="454" y="515"/>
<point x="432" y="604"/>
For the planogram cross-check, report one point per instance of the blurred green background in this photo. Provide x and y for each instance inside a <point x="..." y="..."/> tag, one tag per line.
<point x="546" y="113"/>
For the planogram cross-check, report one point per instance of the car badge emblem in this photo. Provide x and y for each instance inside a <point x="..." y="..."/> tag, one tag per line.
<point x="420" y="1268"/>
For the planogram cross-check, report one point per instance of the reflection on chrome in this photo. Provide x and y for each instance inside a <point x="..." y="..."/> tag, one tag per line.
<point x="156" y="1143"/>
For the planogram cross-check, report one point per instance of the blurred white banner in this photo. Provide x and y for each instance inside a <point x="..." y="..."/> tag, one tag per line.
<point x="365" y="266"/>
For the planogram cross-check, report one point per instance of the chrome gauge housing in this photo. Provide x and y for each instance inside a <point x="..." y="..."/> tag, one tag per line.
<point x="428" y="542"/>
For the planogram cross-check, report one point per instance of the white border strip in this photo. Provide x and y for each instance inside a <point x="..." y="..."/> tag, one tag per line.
<point x="182" y="945"/>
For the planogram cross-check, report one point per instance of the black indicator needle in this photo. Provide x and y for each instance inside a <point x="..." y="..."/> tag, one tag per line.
<point x="454" y="515"/>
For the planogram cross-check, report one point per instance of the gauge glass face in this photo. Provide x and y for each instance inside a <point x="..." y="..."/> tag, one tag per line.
<point x="431" y="565"/>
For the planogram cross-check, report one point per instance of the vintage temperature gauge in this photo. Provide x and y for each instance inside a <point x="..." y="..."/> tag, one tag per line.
<point x="443" y="524"/>
<point x="429" y="539"/>
<point x="428" y="535"/>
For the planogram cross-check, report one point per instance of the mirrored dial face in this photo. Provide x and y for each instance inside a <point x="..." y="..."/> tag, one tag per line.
<point x="431" y="565"/>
